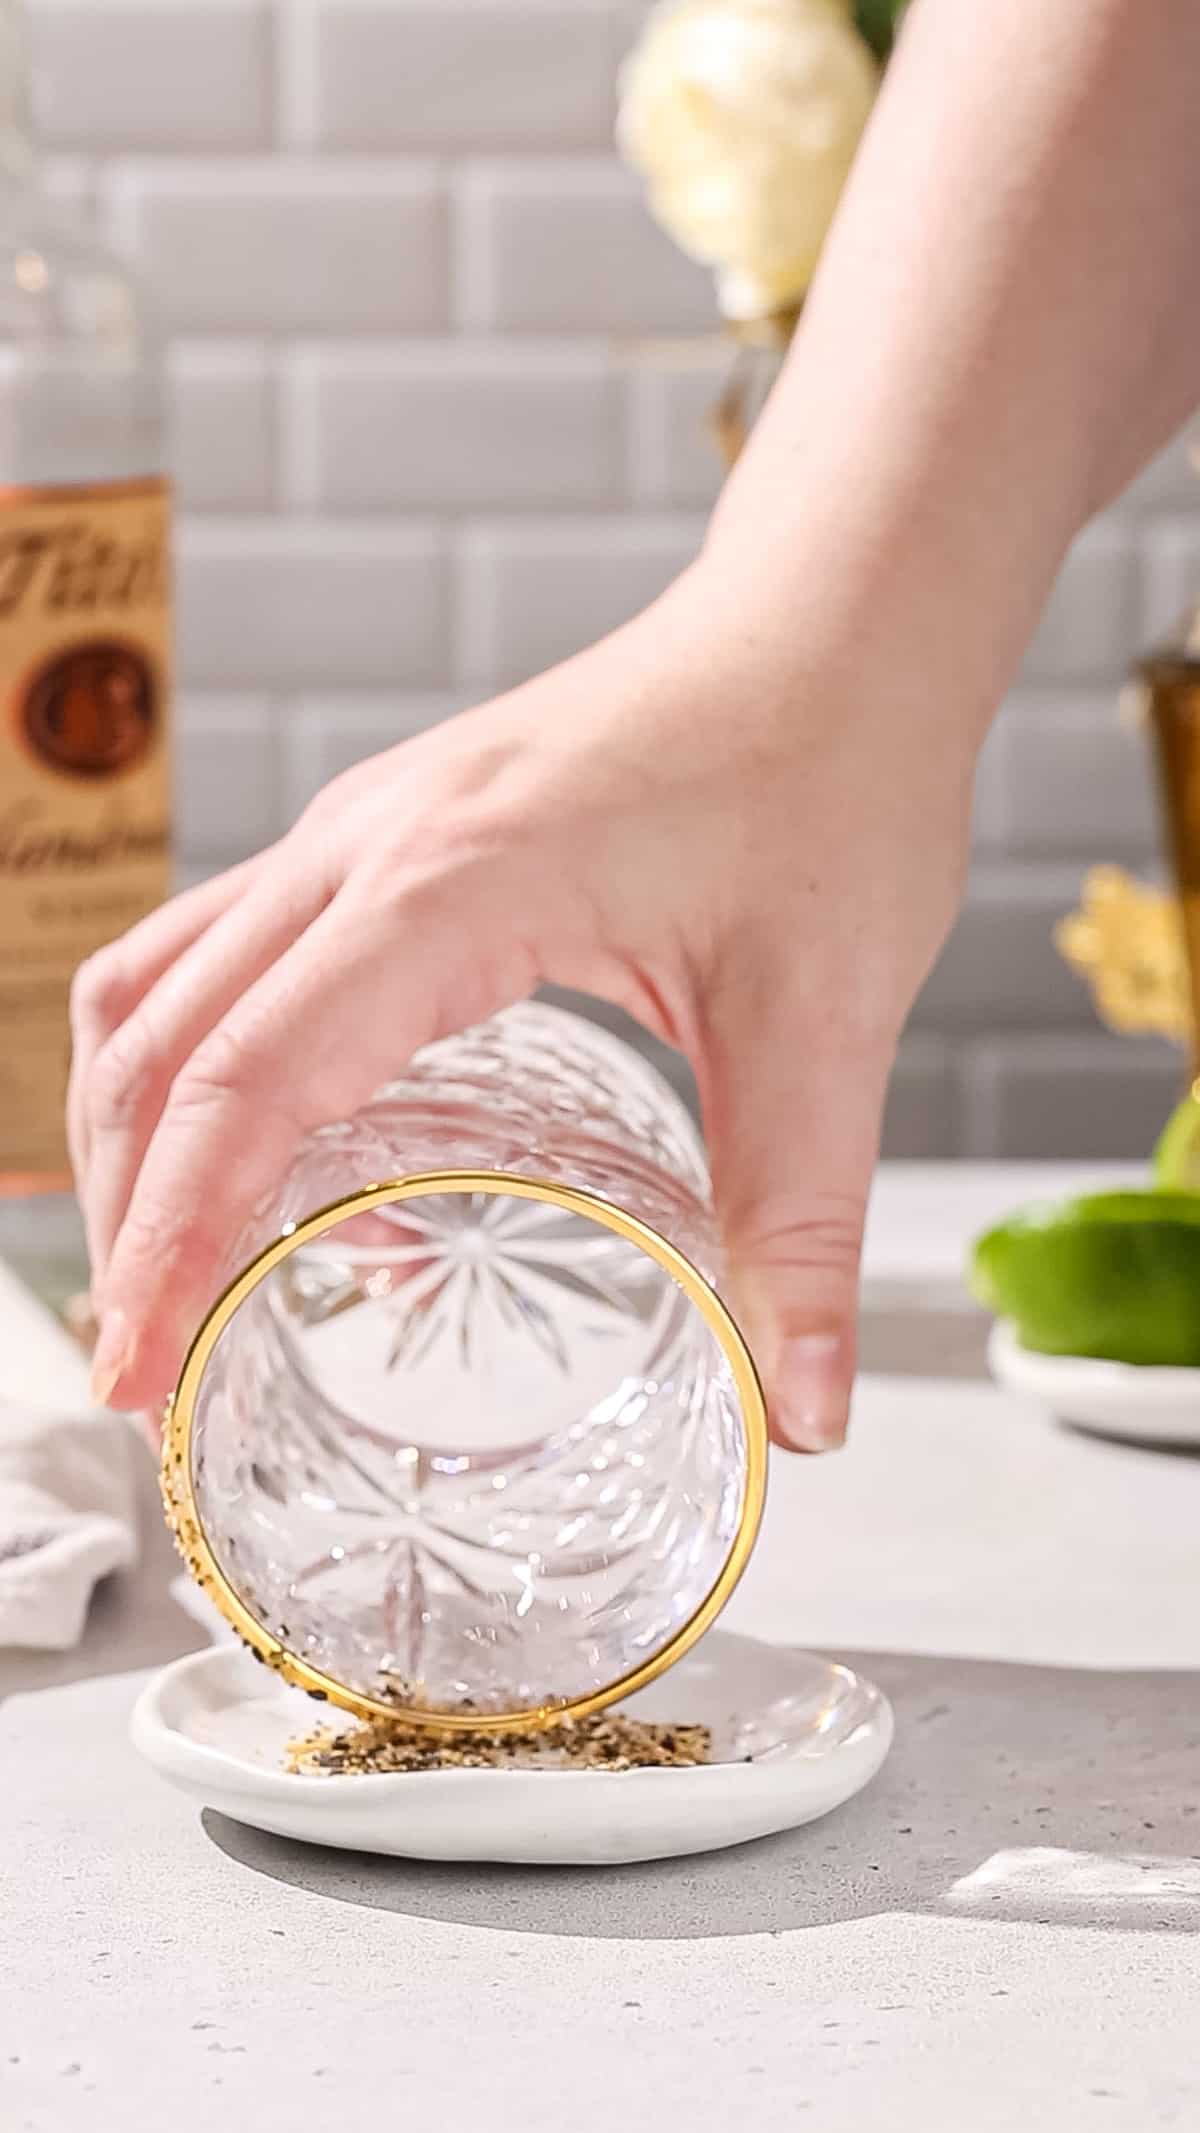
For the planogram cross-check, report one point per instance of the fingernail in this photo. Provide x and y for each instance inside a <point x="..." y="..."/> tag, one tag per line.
<point x="811" y="1392"/>
<point x="112" y="1357"/>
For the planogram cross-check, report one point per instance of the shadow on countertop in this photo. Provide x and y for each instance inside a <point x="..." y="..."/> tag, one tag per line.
<point x="1050" y="1795"/>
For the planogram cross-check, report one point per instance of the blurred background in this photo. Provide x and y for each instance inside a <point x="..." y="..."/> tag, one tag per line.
<point x="440" y="390"/>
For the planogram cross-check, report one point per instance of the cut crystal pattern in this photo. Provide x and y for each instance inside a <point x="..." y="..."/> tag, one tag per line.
<point x="471" y="1447"/>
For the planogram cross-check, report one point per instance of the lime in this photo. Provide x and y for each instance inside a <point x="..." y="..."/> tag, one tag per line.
<point x="1115" y="1274"/>
<point x="1177" y="1154"/>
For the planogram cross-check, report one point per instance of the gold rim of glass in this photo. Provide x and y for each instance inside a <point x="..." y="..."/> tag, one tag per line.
<point x="178" y="1489"/>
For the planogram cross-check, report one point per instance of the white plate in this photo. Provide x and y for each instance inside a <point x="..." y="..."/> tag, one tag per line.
<point x="1130" y="1400"/>
<point x="796" y="1735"/>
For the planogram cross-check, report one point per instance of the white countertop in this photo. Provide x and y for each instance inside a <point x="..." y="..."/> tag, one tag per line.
<point x="1001" y="1932"/>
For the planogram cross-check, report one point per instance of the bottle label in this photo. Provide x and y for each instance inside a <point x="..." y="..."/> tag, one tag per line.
<point x="85" y="692"/>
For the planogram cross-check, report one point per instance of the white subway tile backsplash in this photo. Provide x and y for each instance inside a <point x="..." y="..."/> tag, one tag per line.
<point x="290" y="605"/>
<point x="223" y="426"/>
<point x="189" y="873"/>
<point x="1061" y="774"/>
<point x="115" y="75"/>
<point x="566" y="245"/>
<point x="440" y="419"/>
<point x="1170" y="483"/>
<point x="227" y="777"/>
<point x="532" y="593"/>
<point x="260" y="245"/>
<point x="673" y="454"/>
<point x="989" y="812"/>
<point x="1068" y="1097"/>
<point x="922" y="1114"/>
<point x="1090" y="619"/>
<point x="1000" y="967"/>
<point x="1170" y="577"/>
<point x="324" y="735"/>
<point x="452" y="425"/>
<point x="463" y="75"/>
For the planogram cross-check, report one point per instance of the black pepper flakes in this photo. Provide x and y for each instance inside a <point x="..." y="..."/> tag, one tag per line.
<point x="602" y="1742"/>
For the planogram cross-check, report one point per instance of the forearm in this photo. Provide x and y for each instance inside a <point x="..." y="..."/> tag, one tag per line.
<point x="1005" y="324"/>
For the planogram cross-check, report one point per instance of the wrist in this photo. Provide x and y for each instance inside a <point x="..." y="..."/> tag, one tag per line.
<point x="815" y="636"/>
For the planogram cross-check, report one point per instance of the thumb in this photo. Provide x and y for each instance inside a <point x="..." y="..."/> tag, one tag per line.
<point x="793" y="1113"/>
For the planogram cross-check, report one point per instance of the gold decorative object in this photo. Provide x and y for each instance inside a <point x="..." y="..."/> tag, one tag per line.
<point x="761" y="347"/>
<point x="1168" y="682"/>
<point x="1138" y="946"/>
<point x="1127" y="942"/>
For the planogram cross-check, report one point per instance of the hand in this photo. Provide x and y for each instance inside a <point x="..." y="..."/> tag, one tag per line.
<point x="744" y="816"/>
<point x="756" y="862"/>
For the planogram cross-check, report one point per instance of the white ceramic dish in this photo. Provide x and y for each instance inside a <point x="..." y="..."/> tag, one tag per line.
<point x="797" y="1736"/>
<point x="1127" y="1400"/>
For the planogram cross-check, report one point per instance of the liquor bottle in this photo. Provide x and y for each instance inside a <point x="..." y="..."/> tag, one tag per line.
<point x="1165" y="694"/>
<point x="85" y="638"/>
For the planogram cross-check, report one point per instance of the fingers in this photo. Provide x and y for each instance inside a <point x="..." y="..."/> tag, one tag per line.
<point x="793" y="1107"/>
<point x="132" y="1074"/>
<point x="342" y="1009"/>
<point x="110" y="984"/>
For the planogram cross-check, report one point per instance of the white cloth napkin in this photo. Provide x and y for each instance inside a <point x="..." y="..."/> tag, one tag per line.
<point x="67" y="1479"/>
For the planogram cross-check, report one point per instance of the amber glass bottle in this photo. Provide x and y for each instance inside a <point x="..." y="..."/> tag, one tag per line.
<point x="1167" y="685"/>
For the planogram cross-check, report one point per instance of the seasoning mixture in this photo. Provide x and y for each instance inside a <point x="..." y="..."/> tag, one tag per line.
<point x="599" y="1743"/>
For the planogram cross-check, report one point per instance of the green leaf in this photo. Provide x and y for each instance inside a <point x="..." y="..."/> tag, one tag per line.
<point x="878" y="21"/>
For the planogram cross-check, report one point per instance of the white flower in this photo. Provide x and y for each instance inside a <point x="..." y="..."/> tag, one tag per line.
<point x="743" y="116"/>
